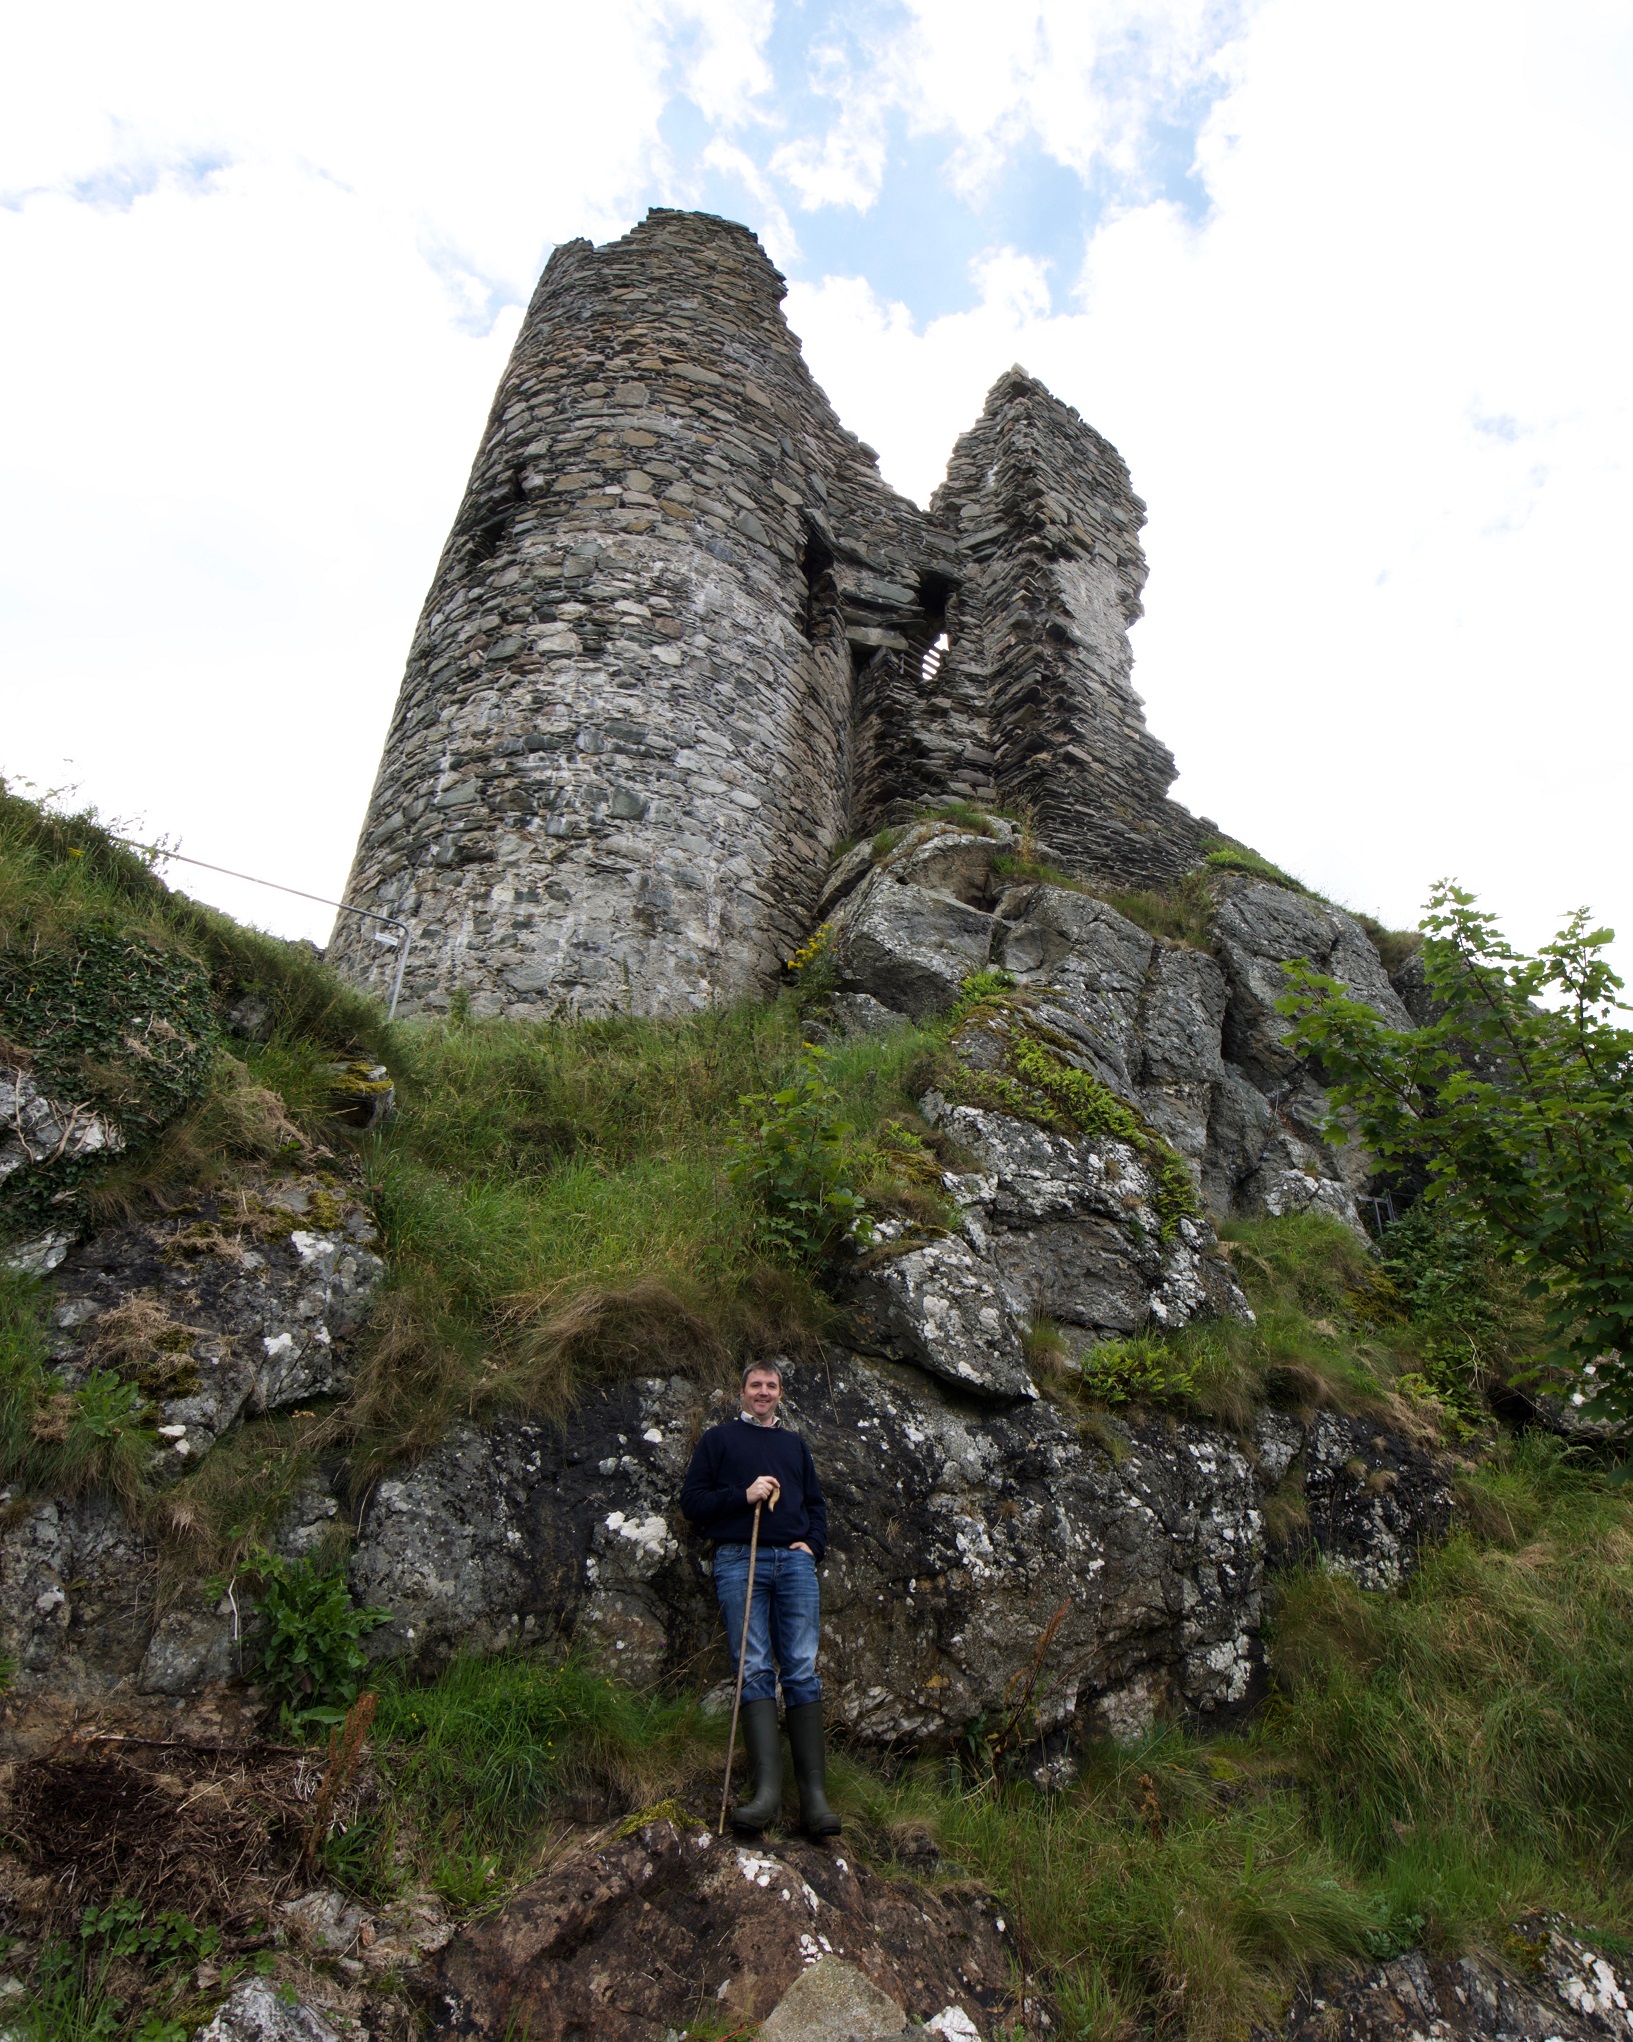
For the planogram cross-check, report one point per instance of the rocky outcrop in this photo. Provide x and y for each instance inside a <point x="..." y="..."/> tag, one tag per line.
<point x="1191" y="1039"/>
<point x="1559" y="1989"/>
<point x="1052" y="1228"/>
<point x="963" y="1530"/>
<point x="234" y="1308"/>
<point x="242" y="1305"/>
<point x="629" y="1940"/>
<point x="39" y="1134"/>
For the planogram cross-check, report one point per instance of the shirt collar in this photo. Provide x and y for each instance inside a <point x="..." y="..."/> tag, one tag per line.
<point x="749" y="1418"/>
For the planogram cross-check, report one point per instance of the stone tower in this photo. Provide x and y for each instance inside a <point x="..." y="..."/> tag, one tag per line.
<point x="683" y="640"/>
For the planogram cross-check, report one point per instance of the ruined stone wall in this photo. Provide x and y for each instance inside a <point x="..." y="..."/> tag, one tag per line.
<point x="1049" y="525"/>
<point x="683" y="639"/>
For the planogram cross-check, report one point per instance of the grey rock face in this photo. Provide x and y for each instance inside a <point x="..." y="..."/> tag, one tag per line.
<point x="1051" y="1227"/>
<point x="247" y="1317"/>
<point x="72" y="1575"/>
<point x="944" y="1305"/>
<point x="79" y="1612"/>
<point x="1571" y="1995"/>
<point x="909" y="947"/>
<point x="1191" y="1041"/>
<point x="40" y="1254"/>
<point x="959" y="1528"/>
<point x="217" y="1315"/>
<point x="1258" y="929"/>
<point x="36" y="1131"/>
<point x="1371" y="1503"/>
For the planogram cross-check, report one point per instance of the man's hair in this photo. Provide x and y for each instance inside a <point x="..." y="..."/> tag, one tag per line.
<point x="770" y="1368"/>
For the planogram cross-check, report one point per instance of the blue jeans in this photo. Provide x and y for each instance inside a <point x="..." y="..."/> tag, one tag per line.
<point x="783" y="1625"/>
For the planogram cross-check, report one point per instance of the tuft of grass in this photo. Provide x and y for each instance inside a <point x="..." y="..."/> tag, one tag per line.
<point x="115" y="989"/>
<point x="480" y="1762"/>
<point x="1393" y="946"/>
<point x="63" y="876"/>
<point x="57" y="1441"/>
<point x="1182" y="913"/>
<point x="1466" y="1743"/>
<point x="1165" y="1891"/>
<point x="1225" y="854"/>
<point x="230" y="1502"/>
<point x="966" y="814"/>
<point x="557" y="1204"/>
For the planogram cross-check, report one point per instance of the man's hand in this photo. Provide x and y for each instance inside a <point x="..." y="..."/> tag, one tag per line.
<point x="764" y="1489"/>
<point x="799" y="1546"/>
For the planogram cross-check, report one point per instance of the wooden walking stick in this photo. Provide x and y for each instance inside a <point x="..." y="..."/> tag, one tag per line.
<point x="742" y="1656"/>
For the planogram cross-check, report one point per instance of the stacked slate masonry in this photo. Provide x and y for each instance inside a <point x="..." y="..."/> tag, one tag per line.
<point x="683" y="640"/>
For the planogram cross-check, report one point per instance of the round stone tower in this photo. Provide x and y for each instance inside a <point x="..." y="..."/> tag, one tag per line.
<point x="620" y="756"/>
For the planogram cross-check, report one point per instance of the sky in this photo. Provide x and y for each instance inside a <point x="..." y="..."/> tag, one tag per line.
<point x="1347" y="282"/>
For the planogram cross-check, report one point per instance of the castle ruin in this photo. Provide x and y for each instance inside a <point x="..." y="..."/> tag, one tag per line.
<point x="683" y="641"/>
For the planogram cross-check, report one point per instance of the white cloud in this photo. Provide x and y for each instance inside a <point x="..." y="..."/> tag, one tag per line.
<point x="1083" y="83"/>
<point x="1383" y="642"/>
<point x="237" y="405"/>
<point x="1375" y="395"/>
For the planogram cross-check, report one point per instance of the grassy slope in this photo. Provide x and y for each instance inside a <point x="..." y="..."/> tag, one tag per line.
<point x="554" y="1200"/>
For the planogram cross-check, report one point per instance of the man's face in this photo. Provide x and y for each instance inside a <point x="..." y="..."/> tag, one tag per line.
<point x="762" y="1393"/>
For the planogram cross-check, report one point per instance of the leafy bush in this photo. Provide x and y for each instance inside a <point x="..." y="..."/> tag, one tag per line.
<point x="312" y="1659"/>
<point x="793" y="1161"/>
<point x="1516" y="1102"/>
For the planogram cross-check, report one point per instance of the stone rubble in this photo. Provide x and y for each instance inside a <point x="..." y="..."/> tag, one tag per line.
<point x="255" y="2011"/>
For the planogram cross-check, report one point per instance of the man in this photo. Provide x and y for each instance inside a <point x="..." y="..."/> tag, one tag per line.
<point x="755" y="1459"/>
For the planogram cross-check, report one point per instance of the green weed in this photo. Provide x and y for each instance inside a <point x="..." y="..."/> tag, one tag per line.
<point x="311" y="1631"/>
<point x="1145" y="1369"/>
<point x="1225" y="854"/>
<point x="58" y="1440"/>
<point x="791" y="1158"/>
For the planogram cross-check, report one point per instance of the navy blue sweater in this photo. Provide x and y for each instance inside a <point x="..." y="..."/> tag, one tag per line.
<point x="727" y="1459"/>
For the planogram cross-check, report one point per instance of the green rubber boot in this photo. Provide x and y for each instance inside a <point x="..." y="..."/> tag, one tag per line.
<point x="804" y="1726"/>
<point x="764" y="1748"/>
